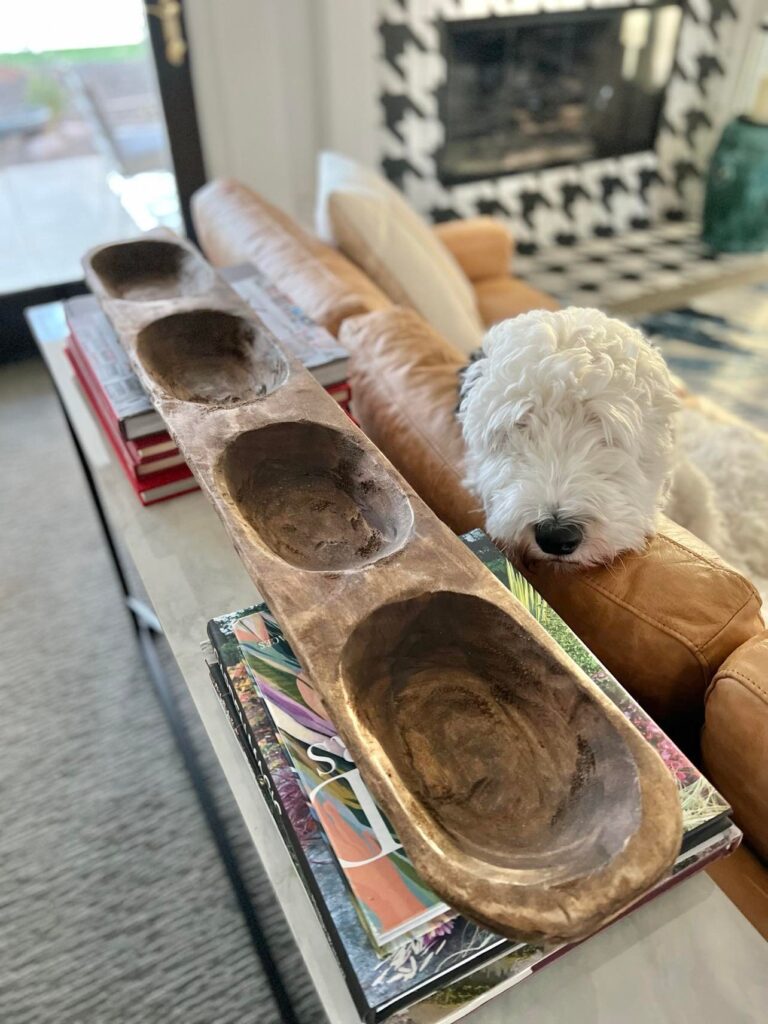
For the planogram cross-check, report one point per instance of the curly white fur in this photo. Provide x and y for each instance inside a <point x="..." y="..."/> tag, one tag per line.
<point x="570" y="419"/>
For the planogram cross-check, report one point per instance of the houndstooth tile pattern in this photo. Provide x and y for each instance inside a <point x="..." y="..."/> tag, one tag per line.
<point x="557" y="205"/>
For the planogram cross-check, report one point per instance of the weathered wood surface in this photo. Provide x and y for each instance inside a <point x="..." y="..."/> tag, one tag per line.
<point x="522" y="795"/>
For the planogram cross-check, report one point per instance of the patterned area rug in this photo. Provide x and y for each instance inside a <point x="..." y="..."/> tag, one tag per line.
<point x="114" y="908"/>
<point x="718" y="345"/>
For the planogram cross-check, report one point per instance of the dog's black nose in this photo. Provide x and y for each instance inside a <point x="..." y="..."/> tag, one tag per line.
<point x="556" y="538"/>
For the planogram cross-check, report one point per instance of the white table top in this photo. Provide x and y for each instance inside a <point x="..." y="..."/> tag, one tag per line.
<point x="687" y="956"/>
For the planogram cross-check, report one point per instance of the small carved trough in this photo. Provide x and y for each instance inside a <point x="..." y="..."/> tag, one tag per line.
<point x="522" y="795"/>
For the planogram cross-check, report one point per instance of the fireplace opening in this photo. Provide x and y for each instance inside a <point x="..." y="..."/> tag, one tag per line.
<point x="523" y="92"/>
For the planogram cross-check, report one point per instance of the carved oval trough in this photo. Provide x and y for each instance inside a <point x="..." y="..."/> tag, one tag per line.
<point x="521" y="793"/>
<point x="211" y="357"/>
<point x="523" y="796"/>
<point x="314" y="497"/>
<point x="151" y="269"/>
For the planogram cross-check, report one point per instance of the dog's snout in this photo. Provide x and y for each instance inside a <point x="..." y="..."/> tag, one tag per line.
<point x="556" y="538"/>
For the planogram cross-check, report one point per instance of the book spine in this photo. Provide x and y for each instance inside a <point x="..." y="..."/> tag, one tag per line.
<point x="148" y="467"/>
<point x="145" y="485"/>
<point x="155" y="446"/>
<point x="108" y="427"/>
<point x="93" y="336"/>
<point x="249" y="747"/>
<point x="96" y="392"/>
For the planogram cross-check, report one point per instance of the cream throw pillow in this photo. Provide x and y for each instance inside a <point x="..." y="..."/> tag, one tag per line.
<point x="371" y="223"/>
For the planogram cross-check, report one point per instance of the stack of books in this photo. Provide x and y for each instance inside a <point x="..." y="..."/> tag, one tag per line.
<point x="406" y="956"/>
<point x="145" y="450"/>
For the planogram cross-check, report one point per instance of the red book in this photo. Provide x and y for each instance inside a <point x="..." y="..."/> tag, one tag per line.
<point x="141" y="466"/>
<point x="110" y="371"/>
<point x="341" y="392"/>
<point x="144" y="449"/>
<point x="166" y="483"/>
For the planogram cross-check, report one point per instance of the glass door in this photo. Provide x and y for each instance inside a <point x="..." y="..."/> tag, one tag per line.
<point x="98" y="135"/>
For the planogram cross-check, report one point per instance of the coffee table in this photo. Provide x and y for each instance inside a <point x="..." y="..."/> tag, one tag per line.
<point x="689" y="955"/>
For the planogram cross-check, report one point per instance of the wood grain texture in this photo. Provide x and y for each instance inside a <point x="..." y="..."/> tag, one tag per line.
<point x="522" y="795"/>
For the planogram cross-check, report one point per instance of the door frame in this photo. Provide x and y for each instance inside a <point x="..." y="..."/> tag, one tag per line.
<point x="170" y="50"/>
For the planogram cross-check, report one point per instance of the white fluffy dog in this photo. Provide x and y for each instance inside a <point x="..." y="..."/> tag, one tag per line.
<point x="569" y="429"/>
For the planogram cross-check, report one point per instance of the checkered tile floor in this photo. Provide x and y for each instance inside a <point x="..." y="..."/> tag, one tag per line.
<point x="610" y="271"/>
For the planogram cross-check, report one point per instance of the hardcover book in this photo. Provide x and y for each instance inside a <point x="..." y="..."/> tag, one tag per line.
<point x="391" y="898"/>
<point x="164" y="481"/>
<point x="93" y="336"/>
<point x="153" y="446"/>
<point x="278" y="719"/>
<point x="315" y="347"/>
<point x="143" y="459"/>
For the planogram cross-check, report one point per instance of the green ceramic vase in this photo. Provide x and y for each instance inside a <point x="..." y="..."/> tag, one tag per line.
<point x="736" y="202"/>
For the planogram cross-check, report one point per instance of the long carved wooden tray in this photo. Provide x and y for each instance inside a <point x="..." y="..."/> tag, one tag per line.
<point x="522" y="795"/>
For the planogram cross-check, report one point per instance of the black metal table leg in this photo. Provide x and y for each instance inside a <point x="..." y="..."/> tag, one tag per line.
<point x="147" y="628"/>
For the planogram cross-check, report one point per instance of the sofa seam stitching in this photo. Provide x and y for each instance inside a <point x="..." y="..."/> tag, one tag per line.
<point x="739" y="677"/>
<point x="725" y="626"/>
<point x="721" y="567"/>
<point x="658" y="624"/>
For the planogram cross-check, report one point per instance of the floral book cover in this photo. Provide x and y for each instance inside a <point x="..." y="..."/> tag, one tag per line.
<point x="396" y="942"/>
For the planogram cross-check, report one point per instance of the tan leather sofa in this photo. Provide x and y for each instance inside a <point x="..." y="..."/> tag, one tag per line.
<point x="677" y="626"/>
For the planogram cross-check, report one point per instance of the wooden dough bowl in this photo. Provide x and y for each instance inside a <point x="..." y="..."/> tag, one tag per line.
<point x="522" y="795"/>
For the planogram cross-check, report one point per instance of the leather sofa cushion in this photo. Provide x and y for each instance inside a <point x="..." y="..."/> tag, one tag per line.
<point x="661" y="620"/>
<point x="481" y="246"/>
<point x="734" y="741"/>
<point x="235" y="225"/>
<point x="502" y="297"/>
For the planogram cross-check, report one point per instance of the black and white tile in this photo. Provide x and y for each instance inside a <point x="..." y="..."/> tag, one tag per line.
<point x="606" y="272"/>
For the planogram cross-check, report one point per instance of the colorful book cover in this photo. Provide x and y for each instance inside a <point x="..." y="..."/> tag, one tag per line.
<point x="385" y="981"/>
<point x="380" y="981"/>
<point x="390" y="895"/>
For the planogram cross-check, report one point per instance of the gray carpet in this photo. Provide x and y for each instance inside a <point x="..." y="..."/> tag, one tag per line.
<point x="114" y="908"/>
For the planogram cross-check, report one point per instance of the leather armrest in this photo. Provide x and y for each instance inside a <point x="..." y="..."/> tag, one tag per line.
<point x="235" y="225"/>
<point x="661" y="620"/>
<point x="734" y="740"/>
<point x="480" y="245"/>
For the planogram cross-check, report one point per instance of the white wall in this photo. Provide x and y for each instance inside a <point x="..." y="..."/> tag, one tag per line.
<point x="277" y="80"/>
<point x="254" y="72"/>
<point x="347" y="56"/>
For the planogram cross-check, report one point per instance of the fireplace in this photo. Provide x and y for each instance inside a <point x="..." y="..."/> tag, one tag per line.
<point x="527" y="92"/>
